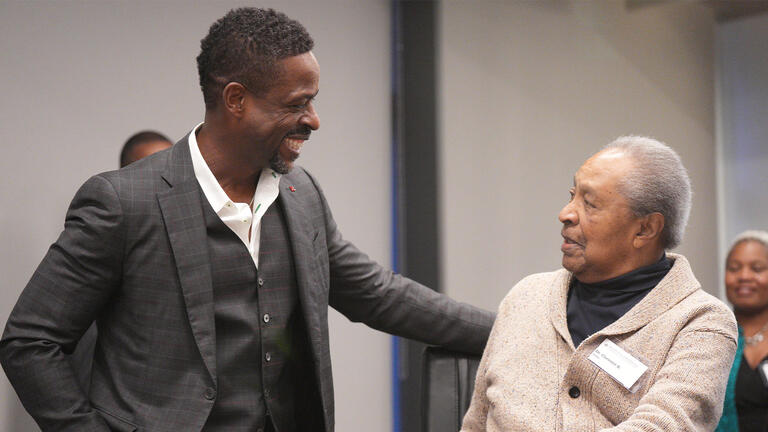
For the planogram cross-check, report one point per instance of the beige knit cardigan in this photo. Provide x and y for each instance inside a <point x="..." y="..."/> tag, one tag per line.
<point x="686" y="337"/>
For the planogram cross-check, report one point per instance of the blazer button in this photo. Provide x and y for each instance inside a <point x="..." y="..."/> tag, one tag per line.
<point x="267" y="318"/>
<point x="574" y="392"/>
<point x="210" y="393"/>
<point x="261" y="282"/>
<point x="268" y="357"/>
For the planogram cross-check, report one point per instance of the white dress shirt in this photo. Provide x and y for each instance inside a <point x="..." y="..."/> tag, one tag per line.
<point x="237" y="216"/>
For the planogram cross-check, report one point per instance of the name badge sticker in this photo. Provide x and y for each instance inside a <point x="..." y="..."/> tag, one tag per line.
<point x="618" y="364"/>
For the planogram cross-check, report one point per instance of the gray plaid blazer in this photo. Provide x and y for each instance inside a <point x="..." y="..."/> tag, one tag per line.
<point x="133" y="257"/>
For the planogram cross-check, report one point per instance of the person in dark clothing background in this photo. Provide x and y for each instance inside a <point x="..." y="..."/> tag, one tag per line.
<point x="746" y="286"/>
<point x="142" y="144"/>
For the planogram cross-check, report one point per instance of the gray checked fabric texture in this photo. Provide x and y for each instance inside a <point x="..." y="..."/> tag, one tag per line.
<point x="133" y="257"/>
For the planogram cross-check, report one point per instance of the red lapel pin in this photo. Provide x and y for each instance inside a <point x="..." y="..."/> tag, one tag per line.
<point x="292" y="189"/>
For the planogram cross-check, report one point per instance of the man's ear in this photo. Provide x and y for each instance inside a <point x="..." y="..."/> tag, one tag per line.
<point x="233" y="97"/>
<point x="650" y="229"/>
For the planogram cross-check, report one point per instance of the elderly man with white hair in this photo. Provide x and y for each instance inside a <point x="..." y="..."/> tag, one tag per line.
<point x="623" y="338"/>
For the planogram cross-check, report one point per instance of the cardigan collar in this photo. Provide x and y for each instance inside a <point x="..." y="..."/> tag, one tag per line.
<point x="678" y="284"/>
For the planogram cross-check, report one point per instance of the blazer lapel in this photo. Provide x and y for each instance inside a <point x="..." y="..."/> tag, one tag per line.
<point x="310" y="281"/>
<point x="301" y="238"/>
<point x="182" y="212"/>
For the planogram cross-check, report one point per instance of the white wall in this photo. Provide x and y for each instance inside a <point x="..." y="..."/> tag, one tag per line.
<point x="529" y="91"/>
<point x="78" y="77"/>
<point x="742" y="100"/>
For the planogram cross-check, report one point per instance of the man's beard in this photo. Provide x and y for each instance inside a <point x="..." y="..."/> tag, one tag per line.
<point x="278" y="164"/>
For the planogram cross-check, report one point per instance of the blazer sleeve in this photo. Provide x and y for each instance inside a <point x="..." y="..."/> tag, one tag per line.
<point x="68" y="289"/>
<point x="689" y="389"/>
<point x="363" y="291"/>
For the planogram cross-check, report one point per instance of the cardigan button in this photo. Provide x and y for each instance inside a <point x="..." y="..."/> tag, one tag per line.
<point x="210" y="393"/>
<point x="574" y="392"/>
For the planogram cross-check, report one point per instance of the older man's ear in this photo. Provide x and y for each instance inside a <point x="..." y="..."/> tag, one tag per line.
<point x="650" y="231"/>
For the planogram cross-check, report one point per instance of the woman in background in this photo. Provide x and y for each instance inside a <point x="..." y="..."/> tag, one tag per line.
<point x="746" y="286"/>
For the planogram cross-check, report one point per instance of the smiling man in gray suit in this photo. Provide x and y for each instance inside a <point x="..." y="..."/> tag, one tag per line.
<point x="210" y="267"/>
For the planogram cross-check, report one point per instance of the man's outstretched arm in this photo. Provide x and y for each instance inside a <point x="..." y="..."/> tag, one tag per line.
<point x="365" y="292"/>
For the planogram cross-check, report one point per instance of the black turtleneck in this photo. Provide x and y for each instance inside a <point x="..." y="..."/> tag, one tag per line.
<point x="594" y="306"/>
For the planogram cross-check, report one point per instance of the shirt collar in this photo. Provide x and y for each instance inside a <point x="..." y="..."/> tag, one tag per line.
<point x="217" y="198"/>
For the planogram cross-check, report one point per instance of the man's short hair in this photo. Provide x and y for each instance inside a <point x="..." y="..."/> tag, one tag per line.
<point x="136" y="140"/>
<point x="244" y="46"/>
<point x="658" y="182"/>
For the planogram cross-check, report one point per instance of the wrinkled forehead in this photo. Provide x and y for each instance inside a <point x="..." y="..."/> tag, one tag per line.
<point x="603" y="171"/>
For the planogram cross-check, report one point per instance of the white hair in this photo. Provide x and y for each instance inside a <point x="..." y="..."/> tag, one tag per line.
<point x="657" y="183"/>
<point x="750" y="235"/>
